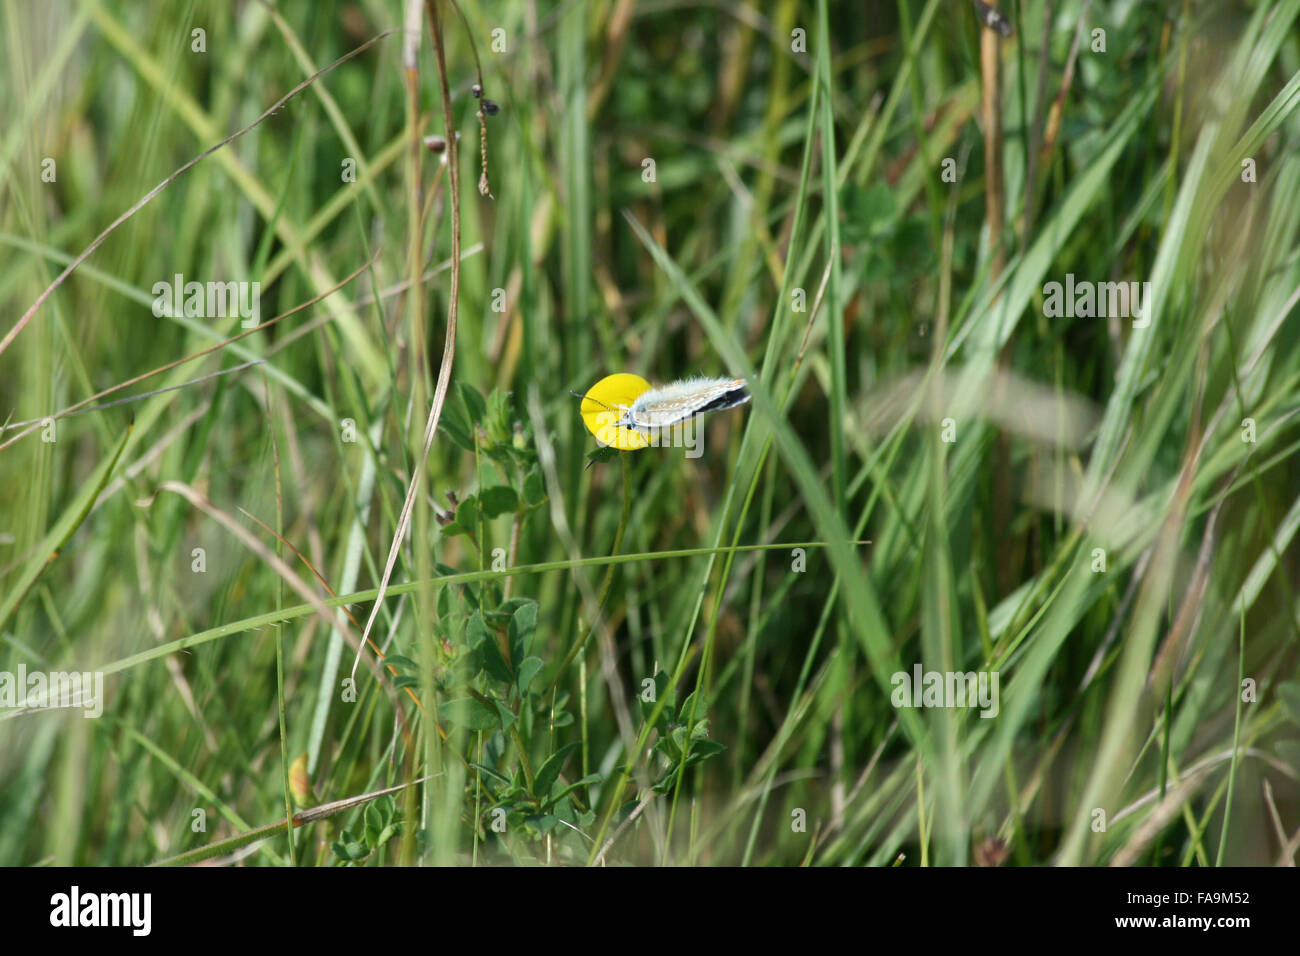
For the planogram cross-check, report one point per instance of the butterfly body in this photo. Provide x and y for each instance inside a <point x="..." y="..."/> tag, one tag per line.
<point x="673" y="404"/>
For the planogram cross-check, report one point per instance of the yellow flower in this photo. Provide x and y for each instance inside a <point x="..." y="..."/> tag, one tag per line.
<point x="603" y="405"/>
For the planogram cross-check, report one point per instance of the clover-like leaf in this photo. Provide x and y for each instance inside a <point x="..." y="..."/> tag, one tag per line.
<point x="523" y="624"/>
<point x="549" y="771"/>
<point x="475" y="407"/>
<point x="529" y="668"/>
<point x="534" y="487"/>
<point x="487" y="651"/>
<point x="497" y="500"/>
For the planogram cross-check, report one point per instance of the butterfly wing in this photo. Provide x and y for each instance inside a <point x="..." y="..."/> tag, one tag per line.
<point x="676" y="403"/>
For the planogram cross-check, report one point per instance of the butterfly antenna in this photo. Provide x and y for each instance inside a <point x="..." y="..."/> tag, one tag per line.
<point x="588" y="398"/>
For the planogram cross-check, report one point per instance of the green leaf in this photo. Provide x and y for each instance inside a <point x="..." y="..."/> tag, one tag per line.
<point x="457" y="428"/>
<point x="350" y="850"/>
<point x="498" y="500"/>
<point x="405" y="680"/>
<point x="542" y="823"/>
<point x="500" y="616"/>
<point x="505" y="714"/>
<point x="550" y="770"/>
<point x="502" y="454"/>
<point x="487" y="651"/>
<point x="667" y="783"/>
<point x="602" y="454"/>
<point x="446" y="599"/>
<point x="467" y="513"/>
<point x="475" y="407"/>
<point x="523" y="624"/>
<point x="684" y="715"/>
<point x="498" y="417"/>
<point x="401" y="661"/>
<point x="679" y="738"/>
<point x="534" y="487"/>
<point x="706" y="748"/>
<point x="586" y="781"/>
<point x="668" y="747"/>
<point x="471" y="713"/>
<point x="528" y="669"/>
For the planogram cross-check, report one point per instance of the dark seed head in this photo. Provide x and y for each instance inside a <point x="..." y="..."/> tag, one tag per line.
<point x="476" y="90"/>
<point x="490" y="108"/>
